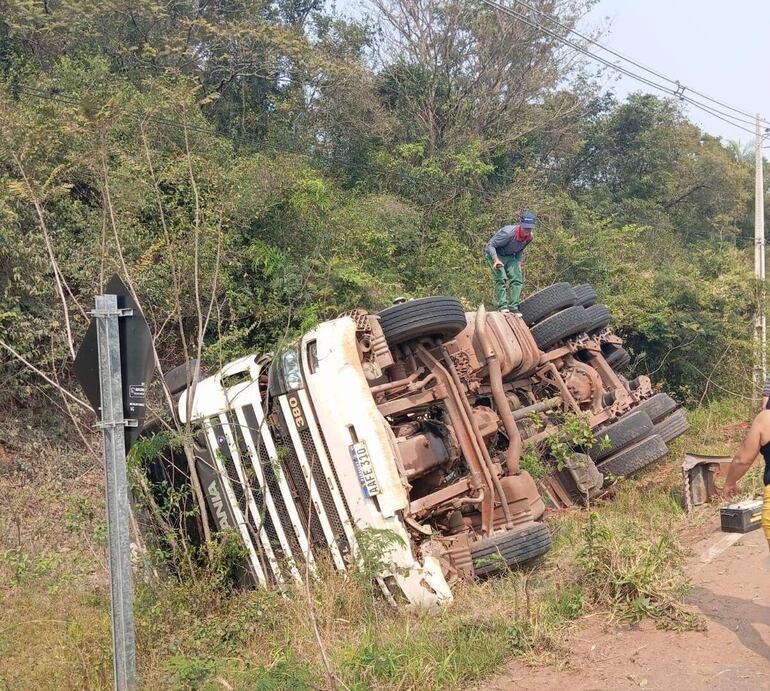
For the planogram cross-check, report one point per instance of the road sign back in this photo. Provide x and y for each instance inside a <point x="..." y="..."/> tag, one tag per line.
<point x="136" y="360"/>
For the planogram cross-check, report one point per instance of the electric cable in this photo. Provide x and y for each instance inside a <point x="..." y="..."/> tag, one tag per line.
<point x="680" y="87"/>
<point x="726" y="117"/>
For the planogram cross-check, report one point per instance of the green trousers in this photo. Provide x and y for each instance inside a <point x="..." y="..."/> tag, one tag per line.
<point x="508" y="282"/>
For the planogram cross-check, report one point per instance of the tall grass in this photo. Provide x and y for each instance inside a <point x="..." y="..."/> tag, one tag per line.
<point x="622" y="558"/>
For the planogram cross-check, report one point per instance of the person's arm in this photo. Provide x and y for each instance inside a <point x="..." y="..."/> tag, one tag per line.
<point x="745" y="457"/>
<point x="497" y="240"/>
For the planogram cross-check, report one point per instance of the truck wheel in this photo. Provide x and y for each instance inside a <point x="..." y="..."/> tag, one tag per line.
<point x="598" y="317"/>
<point x="671" y="427"/>
<point x="658" y="406"/>
<point x="492" y="554"/>
<point x="179" y="378"/>
<point x="632" y="459"/>
<point x="439" y="317"/>
<point x="586" y="295"/>
<point x="628" y="429"/>
<point x="559" y="326"/>
<point x="546" y="302"/>
<point x="618" y="359"/>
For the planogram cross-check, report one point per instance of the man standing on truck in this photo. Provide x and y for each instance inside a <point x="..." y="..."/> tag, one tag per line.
<point x="505" y="254"/>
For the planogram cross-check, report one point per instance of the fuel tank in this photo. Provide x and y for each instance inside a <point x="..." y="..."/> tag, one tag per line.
<point x="511" y="339"/>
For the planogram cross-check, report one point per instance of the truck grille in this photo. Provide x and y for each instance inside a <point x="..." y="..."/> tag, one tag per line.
<point x="271" y="489"/>
<point x="323" y="488"/>
<point x="282" y="488"/>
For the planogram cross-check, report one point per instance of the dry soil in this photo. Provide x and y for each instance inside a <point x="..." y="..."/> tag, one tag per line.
<point x="731" y="588"/>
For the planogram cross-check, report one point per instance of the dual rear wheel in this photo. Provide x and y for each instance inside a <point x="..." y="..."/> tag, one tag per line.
<point x="560" y="312"/>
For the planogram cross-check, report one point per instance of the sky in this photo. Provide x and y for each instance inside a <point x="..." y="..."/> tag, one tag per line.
<point x="714" y="46"/>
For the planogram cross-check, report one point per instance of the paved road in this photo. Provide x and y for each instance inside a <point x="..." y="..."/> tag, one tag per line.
<point x="731" y="588"/>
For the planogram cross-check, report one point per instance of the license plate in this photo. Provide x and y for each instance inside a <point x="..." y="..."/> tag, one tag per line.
<point x="361" y="459"/>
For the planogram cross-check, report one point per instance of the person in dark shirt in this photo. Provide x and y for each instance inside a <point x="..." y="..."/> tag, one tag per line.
<point x="756" y="443"/>
<point x="505" y="254"/>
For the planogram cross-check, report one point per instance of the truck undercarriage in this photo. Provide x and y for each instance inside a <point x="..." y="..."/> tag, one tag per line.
<point x="412" y="422"/>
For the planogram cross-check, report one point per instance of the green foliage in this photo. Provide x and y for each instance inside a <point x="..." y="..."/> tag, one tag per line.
<point x="285" y="179"/>
<point x="634" y="574"/>
<point x="569" y="433"/>
<point x="85" y="517"/>
<point x="532" y="462"/>
<point x="26" y="567"/>
<point x="465" y="651"/>
<point x="567" y="604"/>
<point x="496" y="561"/>
<point x="373" y="547"/>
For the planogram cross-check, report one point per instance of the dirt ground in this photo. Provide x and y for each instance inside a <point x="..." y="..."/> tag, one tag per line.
<point x="731" y="588"/>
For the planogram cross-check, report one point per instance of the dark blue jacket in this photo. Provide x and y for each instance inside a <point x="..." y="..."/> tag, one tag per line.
<point x="504" y="243"/>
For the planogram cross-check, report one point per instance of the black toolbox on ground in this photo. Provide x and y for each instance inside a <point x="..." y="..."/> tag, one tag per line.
<point x="741" y="517"/>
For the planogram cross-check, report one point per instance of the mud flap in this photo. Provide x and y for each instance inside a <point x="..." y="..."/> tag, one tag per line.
<point x="578" y="480"/>
<point x="586" y="476"/>
<point x="699" y="475"/>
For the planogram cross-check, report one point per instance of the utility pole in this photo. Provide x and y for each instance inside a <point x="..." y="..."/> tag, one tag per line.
<point x="760" y="323"/>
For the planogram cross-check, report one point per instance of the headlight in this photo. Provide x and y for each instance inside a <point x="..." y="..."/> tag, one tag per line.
<point x="292" y="374"/>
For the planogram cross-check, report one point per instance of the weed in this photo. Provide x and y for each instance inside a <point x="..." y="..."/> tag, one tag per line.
<point x="496" y="561"/>
<point x="635" y="575"/>
<point x="566" y="605"/>
<point x="191" y="673"/>
<point x="196" y="631"/>
<point x="571" y="432"/>
<point x="532" y="463"/>
<point x="373" y="547"/>
<point x="283" y="672"/>
<point x="433" y="652"/>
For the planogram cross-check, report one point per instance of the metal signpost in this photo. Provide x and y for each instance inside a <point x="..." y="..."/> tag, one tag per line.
<point x="113" y="426"/>
<point x="114" y="366"/>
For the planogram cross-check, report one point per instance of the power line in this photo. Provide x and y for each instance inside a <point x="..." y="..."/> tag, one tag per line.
<point x="623" y="70"/>
<point x="678" y="92"/>
<point x="680" y="87"/>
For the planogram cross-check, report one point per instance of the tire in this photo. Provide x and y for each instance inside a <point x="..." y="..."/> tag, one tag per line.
<point x="632" y="459"/>
<point x="546" y="302"/>
<point x="586" y="295"/>
<point x="630" y="428"/>
<point x="439" y="317"/>
<point x="673" y="426"/>
<point x="598" y="317"/>
<point x="515" y="547"/>
<point x="559" y="326"/>
<point x="178" y="379"/>
<point x="618" y="359"/>
<point x="658" y="406"/>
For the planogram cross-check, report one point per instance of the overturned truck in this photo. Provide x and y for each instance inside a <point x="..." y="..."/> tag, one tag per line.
<point x="413" y="421"/>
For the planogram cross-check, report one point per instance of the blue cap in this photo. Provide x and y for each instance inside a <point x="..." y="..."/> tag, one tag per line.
<point x="527" y="220"/>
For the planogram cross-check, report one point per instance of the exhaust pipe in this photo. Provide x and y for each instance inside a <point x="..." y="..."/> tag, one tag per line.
<point x="513" y="455"/>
